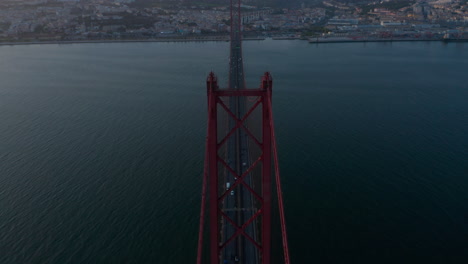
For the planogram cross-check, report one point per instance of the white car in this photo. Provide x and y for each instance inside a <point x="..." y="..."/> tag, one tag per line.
<point x="232" y="192"/>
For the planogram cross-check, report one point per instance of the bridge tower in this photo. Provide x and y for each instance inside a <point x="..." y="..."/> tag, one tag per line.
<point x="241" y="164"/>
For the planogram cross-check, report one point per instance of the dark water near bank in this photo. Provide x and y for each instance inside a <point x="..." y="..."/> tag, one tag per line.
<point x="101" y="149"/>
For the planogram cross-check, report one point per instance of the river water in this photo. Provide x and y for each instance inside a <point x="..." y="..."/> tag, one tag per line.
<point x="101" y="149"/>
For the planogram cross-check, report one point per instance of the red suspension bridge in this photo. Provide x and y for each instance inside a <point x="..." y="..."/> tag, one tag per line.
<point x="241" y="165"/>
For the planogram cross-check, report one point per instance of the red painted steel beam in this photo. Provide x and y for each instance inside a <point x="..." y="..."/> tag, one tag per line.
<point x="240" y="179"/>
<point x="266" y="172"/>
<point x="239" y="122"/>
<point x="203" y="203"/>
<point x="269" y="158"/>
<point x="212" y="86"/>
<point x="240" y="230"/>
<point x="284" y="234"/>
<point x="240" y="92"/>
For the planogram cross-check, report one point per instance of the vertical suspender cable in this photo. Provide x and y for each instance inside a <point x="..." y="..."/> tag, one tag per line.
<point x="202" y="209"/>
<point x="278" y="186"/>
<point x="203" y="200"/>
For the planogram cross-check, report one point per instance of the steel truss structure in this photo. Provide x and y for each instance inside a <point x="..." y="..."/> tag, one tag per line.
<point x="267" y="160"/>
<point x="240" y="157"/>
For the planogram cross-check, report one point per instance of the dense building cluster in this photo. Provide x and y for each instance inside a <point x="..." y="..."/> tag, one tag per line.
<point x="126" y="19"/>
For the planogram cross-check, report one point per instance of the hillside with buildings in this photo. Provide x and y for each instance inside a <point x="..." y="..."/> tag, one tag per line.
<point x="74" y="20"/>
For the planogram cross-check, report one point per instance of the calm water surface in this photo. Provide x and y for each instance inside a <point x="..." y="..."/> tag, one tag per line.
<point x="101" y="149"/>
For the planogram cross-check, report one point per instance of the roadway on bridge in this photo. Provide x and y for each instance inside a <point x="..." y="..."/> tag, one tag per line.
<point x="238" y="204"/>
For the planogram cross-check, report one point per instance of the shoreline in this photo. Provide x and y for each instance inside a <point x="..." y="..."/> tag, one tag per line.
<point x="14" y="43"/>
<point x="312" y="41"/>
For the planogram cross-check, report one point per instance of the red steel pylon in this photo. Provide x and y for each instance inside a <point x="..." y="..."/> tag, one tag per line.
<point x="214" y="165"/>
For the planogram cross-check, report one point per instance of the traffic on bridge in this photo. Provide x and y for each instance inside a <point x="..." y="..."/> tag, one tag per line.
<point x="240" y="159"/>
